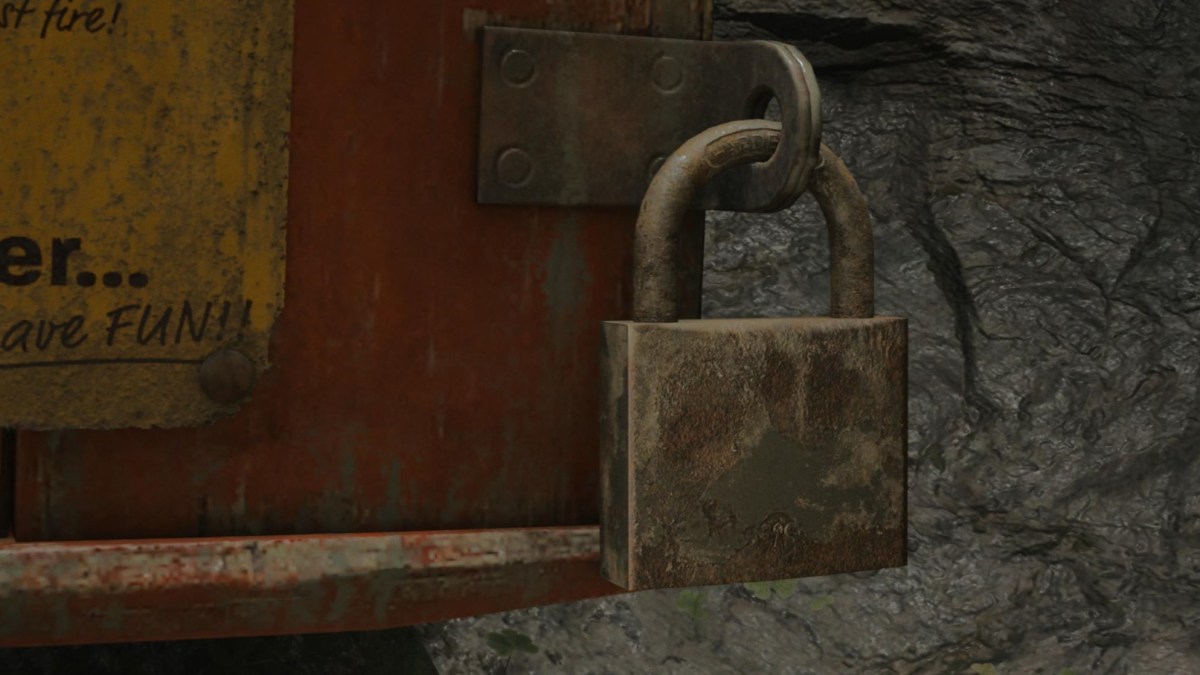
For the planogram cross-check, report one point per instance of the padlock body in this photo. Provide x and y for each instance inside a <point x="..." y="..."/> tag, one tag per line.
<point x="739" y="450"/>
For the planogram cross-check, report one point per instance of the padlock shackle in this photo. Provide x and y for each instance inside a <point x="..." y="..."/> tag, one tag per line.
<point x="851" y="238"/>
<point x="676" y="185"/>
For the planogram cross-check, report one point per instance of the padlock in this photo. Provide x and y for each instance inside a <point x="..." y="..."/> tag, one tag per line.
<point x="739" y="450"/>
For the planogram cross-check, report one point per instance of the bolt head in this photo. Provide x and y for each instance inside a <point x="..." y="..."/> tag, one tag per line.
<point x="227" y="376"/>
<point x="517" y="67"/>
<point x="514" y="167"/>
<point x="667" y="74"/>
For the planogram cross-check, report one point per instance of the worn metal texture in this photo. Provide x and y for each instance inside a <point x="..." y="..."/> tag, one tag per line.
<point x="585" y="119"/>
<point x="152" y="590"/>
<point x="747" y="450"/>
<point x="672" y="193"/>
<point x="378" y="416"/>
<point x="1034" y="172"/>
<point x="144" y="192"/>
<point x="754" y="449"/>
<point x="436" y="365"/>
<point x="8" y="479"/>
<point x="851" y="238"/>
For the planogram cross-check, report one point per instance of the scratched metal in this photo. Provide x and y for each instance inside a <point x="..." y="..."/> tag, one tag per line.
<point x="436" y="365"/>
<point x="754" y="449"/>
<point x="153" y="590"/>
<point x="581" y="119"/>
<point x="743" y="450"/>
<point x="144" y="188"/>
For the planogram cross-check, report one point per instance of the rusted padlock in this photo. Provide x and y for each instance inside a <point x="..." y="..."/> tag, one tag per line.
<point x="738" y="450"/>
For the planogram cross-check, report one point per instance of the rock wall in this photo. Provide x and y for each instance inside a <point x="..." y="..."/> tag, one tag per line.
<point x="1034" y="170"/>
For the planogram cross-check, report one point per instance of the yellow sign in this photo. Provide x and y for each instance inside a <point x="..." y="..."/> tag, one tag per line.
<point x="143" y="173"/>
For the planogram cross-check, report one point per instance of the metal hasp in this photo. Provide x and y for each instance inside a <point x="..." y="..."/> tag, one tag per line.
<point x="740" y="450"/>
<point x="576" y="119"/>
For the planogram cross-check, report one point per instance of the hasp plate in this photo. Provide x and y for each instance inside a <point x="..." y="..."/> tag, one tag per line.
<point x="577" y="119"/>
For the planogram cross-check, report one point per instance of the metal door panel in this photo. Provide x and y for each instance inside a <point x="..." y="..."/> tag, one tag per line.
<point x="435" y="366"/>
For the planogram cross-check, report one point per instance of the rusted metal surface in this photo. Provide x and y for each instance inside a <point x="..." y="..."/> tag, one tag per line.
<point x="8" y="479"/>
<point x="144" y="187"/>
<point x="851" y="238"/>
<point x="689" y="19"/>
<point x="753" y="449"/>
<point x="584" y="119"/>
<point x="742" y="450"/>
<point x="673" y="193"/>
<point x="227" y="376"/>
<point x="151" y="590"/>
<point x="435" y="367"/>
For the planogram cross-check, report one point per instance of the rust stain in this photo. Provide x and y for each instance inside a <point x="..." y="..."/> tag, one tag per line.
<point x="663" y="18"/>
<point x="406" y="323"/>
<point x="739" y="450"/>
<point x="154" y="590"/>
<point x="726" y="485"/>
<point x="719" y="482"/>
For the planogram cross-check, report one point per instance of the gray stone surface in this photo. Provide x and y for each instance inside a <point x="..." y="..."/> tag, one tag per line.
<point x="1034" y="168"/>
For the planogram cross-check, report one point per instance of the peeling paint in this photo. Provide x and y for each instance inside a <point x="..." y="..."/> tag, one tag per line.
<point x="151" y="159"/>
<point x="138" y="591"/>
<point x="449" y="276"/>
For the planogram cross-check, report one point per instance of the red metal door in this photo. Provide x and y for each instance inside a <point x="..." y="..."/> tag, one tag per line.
<point x="435" y="366"/>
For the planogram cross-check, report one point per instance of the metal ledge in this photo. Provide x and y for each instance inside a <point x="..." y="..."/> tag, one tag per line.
<point x="93" y="592"/>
